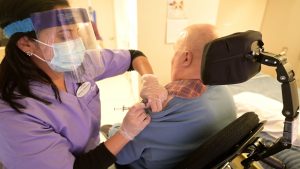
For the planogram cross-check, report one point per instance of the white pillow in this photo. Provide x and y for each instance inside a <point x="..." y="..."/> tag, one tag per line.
<point x="266" y="109"/>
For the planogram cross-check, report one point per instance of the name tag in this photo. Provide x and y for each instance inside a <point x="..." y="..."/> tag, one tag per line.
<point x="83" y="89"/>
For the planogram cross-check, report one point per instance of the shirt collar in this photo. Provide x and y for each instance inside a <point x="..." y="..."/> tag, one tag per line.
<point x="186" y="88"/>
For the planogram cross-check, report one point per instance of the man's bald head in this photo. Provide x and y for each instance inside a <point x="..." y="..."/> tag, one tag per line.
<point x="195" y="37"/>
<point x="190" y="45"/>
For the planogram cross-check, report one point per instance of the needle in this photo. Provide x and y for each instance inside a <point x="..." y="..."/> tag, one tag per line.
<point x="123" y="108"/>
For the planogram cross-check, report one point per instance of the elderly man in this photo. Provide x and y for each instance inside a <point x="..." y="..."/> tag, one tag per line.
<point x="192" y="113"/>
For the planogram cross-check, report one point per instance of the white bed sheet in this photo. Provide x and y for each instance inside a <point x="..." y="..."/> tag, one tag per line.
<point x="267" y="109"/>
<point x="262" y="95"/>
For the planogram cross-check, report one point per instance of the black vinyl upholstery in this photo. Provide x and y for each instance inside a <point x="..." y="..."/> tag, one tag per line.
<point x="225" y="59"/>
<point x="220" y="146"/>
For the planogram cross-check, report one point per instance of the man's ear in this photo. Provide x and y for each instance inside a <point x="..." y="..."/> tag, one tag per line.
<point x="26" y="44"/>
<point x="188" y="58"/>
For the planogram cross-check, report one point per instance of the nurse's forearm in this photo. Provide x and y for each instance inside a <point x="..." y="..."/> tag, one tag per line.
<point x="102" y="156"/>
<point x="115" y="143"/>
<point x="142" y="65"/>
<point x="98" y="158"/>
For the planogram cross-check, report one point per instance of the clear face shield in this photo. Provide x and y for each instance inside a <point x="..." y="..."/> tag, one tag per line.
<point x="67" y="42"/>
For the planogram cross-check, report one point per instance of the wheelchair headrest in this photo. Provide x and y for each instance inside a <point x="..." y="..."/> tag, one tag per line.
<point x="225" y="59"/>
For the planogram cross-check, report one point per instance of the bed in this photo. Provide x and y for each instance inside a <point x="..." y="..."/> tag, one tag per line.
<point x="262" y="94"/>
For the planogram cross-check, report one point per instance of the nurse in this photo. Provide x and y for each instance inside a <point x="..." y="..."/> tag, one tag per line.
<point x="49" y="101"/>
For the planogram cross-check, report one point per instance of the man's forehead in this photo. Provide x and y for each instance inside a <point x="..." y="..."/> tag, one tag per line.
<point x="180" y="38"/>
<point x="182" y="35"/>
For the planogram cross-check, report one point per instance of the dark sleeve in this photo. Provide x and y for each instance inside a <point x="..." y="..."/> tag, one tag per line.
<point x="98" y="158"/>
<point x="134" y="54"/>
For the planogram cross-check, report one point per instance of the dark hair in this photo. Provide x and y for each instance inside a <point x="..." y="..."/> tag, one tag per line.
<point x="17" y="70"/>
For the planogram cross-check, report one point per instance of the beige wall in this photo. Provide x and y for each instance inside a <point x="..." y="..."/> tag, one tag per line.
<point x="152" y="19"/>
<point x="228" y="15"/>
<point x="280" y="29"/>
<point x="151" y="36"/>
<point x="236" y="15"/>
<point x="278" y="21"/>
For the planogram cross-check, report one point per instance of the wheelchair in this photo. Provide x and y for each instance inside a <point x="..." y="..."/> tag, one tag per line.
<point x="235" y="59"/>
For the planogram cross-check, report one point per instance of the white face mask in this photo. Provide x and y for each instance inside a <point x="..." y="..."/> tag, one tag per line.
<point x="68" y="56"/>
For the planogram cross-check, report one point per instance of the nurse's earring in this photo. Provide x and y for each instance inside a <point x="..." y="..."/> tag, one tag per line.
<point x="28" y="53"/>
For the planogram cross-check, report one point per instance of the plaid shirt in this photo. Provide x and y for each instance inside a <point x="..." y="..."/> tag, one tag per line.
<point x="186" y="88"/>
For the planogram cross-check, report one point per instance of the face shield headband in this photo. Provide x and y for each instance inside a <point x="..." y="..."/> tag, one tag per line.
<point x="47" y="19"/>
<point x="66" y="39"/>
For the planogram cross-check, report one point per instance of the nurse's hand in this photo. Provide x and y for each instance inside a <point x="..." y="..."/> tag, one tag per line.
<point x="153" y="92"/>
<point x="135" y="121"/>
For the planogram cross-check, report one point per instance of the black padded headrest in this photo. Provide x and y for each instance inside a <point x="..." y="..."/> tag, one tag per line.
<point x="225" y="59"/>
